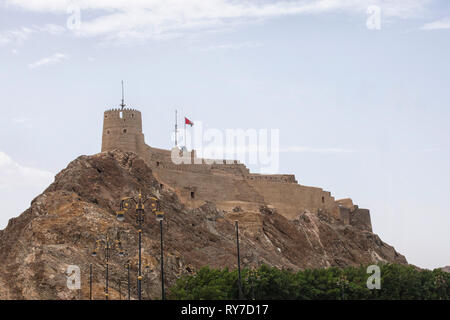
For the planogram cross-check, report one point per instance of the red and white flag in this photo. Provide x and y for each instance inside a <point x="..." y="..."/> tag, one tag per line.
<point x="187" y="121"/>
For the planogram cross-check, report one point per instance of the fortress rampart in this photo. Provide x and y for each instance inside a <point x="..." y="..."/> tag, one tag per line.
<point x="227" y="183"/>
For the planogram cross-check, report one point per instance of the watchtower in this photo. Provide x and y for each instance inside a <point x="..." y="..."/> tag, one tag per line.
<point x="122" y="129"/>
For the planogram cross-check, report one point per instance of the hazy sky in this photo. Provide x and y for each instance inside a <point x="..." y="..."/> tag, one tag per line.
<point x="362" y="112"/>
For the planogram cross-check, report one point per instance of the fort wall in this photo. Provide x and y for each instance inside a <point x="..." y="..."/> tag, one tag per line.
<point x="195" y="188"/>
<point x="353" y="215"/>
<point x="346" y="203"/>
<point x="293" y="199"/>
<point x="344" y="214"/>
<point x="360" y="218"/>
<point x="227" y="183"/>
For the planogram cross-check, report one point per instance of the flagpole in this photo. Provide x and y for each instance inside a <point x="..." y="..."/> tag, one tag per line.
<point x="176" y="128"/>
<point x="185" y="133"/>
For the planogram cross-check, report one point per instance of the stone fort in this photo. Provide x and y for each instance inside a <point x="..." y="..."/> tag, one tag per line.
<point x="228" y="184"/>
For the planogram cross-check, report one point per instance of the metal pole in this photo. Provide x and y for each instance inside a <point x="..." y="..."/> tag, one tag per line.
<point x="123" y="100"/>
<point x="163" y="294"/>
<point x="239" y="260"/>
<point x="176" y="129"/>
<point x="128" y="281"/>
<point x="120" y="289"/>
<point x="90" y="281"/>
<point x="140" y="261"/>
<point x="106" y="284"/>
<point x="107" y="269"/>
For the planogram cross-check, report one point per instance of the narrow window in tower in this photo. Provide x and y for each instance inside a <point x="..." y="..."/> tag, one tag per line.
<point x="192" y="194"/>
<point x="124" y="130"/>
<point x="157" y="163"/>
<point x="323" y="199"/>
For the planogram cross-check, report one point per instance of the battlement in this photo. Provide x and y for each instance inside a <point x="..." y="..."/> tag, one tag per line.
<point x="161" y="158"/>
<point x="123" y="115"/>
<point x="283" y="178"/>
<point x="120" y="109"/>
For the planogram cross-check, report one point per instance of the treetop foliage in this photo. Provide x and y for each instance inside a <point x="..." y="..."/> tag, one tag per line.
<point x="266" y="283"/>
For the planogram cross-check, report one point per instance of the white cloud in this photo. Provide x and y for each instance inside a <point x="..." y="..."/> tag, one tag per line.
<point x="13" y="175"/>
<point x="16" y="36"/>
<point x="53" y="29"/>
<point x="437" y="25"/>
<point x="230" y="46"/>
<point x="141" y="19"/>
<point x="19" y="35"/>
<point x="229" y="8"/>
<point x="55" y="58"/>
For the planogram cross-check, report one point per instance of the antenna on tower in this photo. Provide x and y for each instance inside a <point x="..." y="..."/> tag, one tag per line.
<point x="123" y="101"/>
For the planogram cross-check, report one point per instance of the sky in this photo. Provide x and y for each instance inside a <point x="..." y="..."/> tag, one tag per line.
<point x="359" y="91"/>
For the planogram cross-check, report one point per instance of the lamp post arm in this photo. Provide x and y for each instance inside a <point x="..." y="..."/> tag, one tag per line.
<point x="128" y="199"/>
<point x="125" y="204"/>
<point x="150" y="198"/>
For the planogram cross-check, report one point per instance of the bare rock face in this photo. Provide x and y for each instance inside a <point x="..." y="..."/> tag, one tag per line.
<point x="446" y="269"/>
<point x="62" y="224"/>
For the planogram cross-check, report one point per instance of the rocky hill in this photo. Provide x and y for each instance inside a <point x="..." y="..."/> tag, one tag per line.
<point x="446" y="269"/>
<point x="62" y="224"/>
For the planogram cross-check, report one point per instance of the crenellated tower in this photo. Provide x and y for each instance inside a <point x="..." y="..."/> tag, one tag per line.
<point x="122" y="129"/>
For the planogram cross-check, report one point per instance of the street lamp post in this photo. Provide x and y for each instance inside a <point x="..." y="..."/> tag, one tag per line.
<point x="107" y="269"/>
<point x="140" y="263"/>
<point x="120" y="289"/>
<point x="127" y="266"/>
<point x="90" y="281"/>
<point x="342" y="283"/>
<point x="139" y="203"/>
<point x="108" y="245"/>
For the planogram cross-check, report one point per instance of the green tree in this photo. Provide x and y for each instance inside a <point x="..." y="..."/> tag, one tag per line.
<point x="397" y="282"/>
